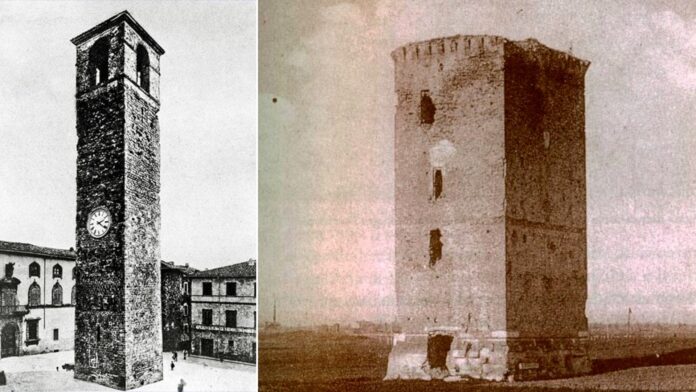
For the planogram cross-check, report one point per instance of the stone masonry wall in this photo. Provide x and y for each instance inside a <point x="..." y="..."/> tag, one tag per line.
<point x="466" y="287"/>
<point x="142" y="251"/>
<point x="99" y="320"/>
<point x="172" y="309"/>
<point x="118" y="325"/>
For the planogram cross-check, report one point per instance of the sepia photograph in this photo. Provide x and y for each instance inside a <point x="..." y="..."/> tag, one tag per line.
<point x="128" y="196"/>
<point x="475" y="195"/>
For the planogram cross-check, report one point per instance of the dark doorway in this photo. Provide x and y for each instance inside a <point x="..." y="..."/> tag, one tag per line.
<point x="438" y="347"/>
<point x="207" y="347"/>
<point x="8" y="343"/>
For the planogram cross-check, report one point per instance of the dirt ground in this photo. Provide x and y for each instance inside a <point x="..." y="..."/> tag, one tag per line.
<point x="34" y="373"/>
<point x="310" y="361"/>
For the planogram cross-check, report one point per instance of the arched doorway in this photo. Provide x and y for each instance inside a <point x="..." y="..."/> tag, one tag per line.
<point x="8" y="341"/>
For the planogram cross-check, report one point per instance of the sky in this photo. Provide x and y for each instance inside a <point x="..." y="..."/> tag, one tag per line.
<point x="326" y="103"/>
<point x="208" y="123"/>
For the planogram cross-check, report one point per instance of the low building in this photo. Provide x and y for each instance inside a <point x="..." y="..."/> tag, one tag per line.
<point x="175" y="306"/>
<point x="37" y="298"/>
<point x="223" y="312"/>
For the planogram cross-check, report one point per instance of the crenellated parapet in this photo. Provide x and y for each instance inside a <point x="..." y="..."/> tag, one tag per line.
<point x="548" y="60"/>
<point x="458" y="45"/>
<point x="463" y="46"/>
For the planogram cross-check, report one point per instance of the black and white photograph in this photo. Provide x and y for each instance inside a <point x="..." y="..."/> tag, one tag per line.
<point x="128" y="196"/>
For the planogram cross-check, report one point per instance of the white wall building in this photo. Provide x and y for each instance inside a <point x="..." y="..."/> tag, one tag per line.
<point x="37" y="312"/>
<point x="223" y="312"/>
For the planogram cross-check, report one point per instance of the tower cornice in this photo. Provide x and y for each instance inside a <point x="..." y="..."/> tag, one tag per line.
<point x="115" y="20"/>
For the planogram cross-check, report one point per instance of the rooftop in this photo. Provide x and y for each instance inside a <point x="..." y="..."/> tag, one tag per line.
<point x="20" y="248"/>
<point x="245" y="269"/>
<point x="123" y="16"/>
<point x="165" y="265"/>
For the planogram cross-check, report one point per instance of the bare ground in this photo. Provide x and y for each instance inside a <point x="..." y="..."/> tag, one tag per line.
<point x="310" y="361"/>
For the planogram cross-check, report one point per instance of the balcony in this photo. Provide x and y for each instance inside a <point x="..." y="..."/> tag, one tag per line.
<point x="14" y="310"/>
<point x="222" y="328"/>
<point x="223" y="299"/>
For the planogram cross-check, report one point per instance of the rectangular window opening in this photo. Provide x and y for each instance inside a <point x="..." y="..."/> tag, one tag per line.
<point x="231" y="318"/>
<point x="232" y="289"/>
<point x="207" y="317"/>
<point x="55" y="334"/>
<point x="207" y="288"/>
<point x="435" y="246"/>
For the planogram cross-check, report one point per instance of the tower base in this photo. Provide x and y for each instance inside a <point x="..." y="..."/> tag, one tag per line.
<point x="496" y="356"/>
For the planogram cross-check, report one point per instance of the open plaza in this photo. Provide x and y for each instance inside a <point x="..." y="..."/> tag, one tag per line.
<point x="44" y="372"/>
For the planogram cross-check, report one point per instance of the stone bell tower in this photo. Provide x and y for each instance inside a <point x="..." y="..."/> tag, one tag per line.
<point x="118" y="333"/>
<point x="490" y="208"/>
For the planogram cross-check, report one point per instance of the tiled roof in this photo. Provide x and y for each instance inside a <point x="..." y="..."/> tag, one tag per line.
<point x="33" y="250"/>
<point x="246" y="269"/>
<point x="183" y="268"/>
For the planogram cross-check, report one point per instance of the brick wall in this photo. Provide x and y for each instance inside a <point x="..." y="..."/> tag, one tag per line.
<point x="545" y="190"/>
<point x="464" y="78"/>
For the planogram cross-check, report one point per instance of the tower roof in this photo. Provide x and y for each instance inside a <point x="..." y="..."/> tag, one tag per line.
<point x="123" y="16"/>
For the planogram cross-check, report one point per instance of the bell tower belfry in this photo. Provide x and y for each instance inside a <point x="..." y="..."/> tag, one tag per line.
<point x="118" y="333"/>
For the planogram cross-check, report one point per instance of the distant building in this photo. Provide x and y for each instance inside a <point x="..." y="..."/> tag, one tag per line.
<point x="272" y="326"/>
<point x="37" y="298"/>
<point x="175" y="306"/>
<point x="223" y="312"/>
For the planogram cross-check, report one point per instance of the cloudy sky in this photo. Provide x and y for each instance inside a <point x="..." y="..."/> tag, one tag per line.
<point x="326" y="147"/>
<point x="208" y="122"/>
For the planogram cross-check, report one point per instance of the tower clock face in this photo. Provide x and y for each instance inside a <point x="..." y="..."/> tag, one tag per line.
<point x="98" y="222"/>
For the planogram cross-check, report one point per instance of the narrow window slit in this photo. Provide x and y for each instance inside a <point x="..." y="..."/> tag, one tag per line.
<point x="435" y="246"/>
<point x="437" y="184"/>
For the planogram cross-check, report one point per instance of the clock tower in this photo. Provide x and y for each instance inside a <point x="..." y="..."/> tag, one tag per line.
<point x="118" y="333"/>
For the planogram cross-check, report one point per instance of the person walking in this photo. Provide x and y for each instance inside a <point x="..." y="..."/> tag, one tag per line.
<point x="172" y="365"/>
<point x="180" y="387"/>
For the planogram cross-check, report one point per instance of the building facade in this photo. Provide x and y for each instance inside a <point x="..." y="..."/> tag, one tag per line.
<point x="223" y="312"/>
<point x="175" y="306"/>
<point x="118" y="341"/>
<point x="490" y="207"/>
<point x="37" y="294"/>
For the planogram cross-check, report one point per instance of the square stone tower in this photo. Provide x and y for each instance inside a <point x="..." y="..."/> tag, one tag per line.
<point x="118" y="333"/>
<point x="491" y="265"/>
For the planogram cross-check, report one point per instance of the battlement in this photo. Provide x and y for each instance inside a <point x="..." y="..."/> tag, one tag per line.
<point x="477" y="45"/>
<point x="466" y="45"/>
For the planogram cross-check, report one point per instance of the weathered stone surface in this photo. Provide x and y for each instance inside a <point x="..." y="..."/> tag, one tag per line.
<point x="118" y="338"/>
<point x="490" y="203"/>
<point x="174" y="335"/>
